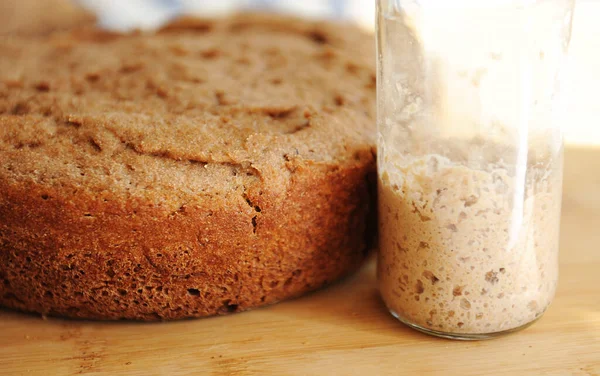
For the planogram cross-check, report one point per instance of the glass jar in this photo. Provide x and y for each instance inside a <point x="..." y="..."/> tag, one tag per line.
<point x="470" y="161"/>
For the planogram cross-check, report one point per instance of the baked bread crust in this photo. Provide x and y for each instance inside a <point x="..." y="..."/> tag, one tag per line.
<point x="173" y="175"/>
<point x="34" y="17"/>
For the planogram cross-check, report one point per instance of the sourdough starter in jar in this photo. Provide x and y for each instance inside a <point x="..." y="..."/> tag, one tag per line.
<point x="469" y="163"/>
<point x="451" y="257"/>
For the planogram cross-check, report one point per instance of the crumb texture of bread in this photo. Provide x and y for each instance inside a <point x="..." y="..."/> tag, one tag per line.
<point x="210" y="167"/>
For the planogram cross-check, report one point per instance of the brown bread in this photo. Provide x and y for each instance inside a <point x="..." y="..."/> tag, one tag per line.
<point x="39" y="17"/>
<point x="211" y="167"/>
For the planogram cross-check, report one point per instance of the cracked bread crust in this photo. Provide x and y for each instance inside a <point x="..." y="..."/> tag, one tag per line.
<point x="211" y="167"/>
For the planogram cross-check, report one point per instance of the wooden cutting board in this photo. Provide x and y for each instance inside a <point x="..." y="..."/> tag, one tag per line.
<point x="342" y="330"/>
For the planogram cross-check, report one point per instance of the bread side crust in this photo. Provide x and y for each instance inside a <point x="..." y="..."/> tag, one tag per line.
<point x="89" y="257"/>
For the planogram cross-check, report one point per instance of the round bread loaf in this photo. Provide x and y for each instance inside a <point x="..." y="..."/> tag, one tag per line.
<point x="210" y="167"/>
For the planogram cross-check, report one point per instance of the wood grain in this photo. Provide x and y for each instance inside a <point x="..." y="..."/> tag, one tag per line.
<point x="342" y="330"/>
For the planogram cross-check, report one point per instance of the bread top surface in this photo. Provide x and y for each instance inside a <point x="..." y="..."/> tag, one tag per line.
<point x="201" y="108"/>
<point x="35" y="17"/>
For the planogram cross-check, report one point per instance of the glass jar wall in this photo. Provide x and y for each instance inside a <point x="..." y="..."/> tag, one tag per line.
<point x="470" y="161"/>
